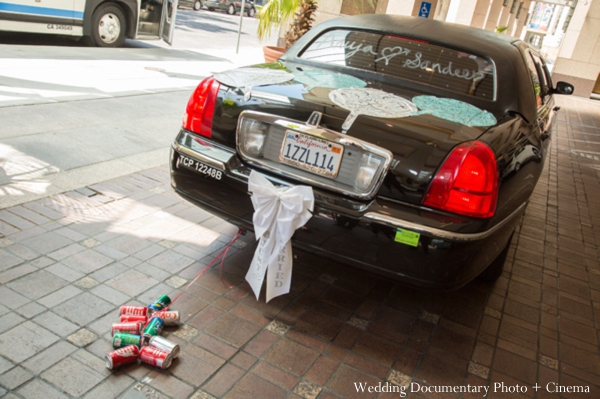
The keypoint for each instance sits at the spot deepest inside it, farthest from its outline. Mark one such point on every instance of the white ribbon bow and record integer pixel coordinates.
(277, 214)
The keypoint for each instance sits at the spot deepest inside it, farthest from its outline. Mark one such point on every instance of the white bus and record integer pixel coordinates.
(106, 23)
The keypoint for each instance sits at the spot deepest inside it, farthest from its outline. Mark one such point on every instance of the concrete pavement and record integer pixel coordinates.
(52, 148)
(60, 69)
(52, 139)
(95, 73)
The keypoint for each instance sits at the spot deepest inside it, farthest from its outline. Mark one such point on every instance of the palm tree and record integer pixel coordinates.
(277, 12)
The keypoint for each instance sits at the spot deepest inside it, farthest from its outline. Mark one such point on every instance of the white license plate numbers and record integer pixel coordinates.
(199, 167)
(311, 153)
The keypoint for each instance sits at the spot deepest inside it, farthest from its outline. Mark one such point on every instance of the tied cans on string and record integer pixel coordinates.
(278, 212)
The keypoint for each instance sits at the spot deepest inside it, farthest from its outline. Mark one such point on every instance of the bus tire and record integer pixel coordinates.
(108, 26)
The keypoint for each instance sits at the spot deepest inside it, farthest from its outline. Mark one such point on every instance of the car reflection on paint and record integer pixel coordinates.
(425, 121)
(522, 156)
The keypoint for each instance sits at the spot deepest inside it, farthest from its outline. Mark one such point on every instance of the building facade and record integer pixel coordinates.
(567, 32)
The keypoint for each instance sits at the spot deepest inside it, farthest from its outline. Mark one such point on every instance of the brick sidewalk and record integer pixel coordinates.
(67, 262)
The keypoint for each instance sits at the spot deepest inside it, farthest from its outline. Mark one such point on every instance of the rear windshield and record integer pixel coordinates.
(405, 58)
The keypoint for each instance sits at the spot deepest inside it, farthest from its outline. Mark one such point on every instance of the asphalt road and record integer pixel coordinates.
(72, 116)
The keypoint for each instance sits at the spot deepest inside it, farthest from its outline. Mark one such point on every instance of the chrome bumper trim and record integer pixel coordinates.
(439, 233)
(218, 157)
(208, 153)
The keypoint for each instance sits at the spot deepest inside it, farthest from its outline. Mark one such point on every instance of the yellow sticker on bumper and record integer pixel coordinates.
(407, 237)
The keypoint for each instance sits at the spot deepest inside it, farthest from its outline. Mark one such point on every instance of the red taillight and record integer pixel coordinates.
(198, 116)
(467, 182)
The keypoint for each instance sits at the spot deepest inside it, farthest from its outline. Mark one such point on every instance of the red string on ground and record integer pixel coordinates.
(221, 255)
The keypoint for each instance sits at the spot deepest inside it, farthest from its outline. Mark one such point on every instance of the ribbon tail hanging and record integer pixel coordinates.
(279, 276)
(260, 262)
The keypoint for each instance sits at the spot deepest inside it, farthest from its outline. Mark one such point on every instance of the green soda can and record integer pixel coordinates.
(162, 302)
(153, 328)
(121, 340)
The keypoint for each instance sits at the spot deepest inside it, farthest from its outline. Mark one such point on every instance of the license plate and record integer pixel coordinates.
(199, 167)
(310, 153)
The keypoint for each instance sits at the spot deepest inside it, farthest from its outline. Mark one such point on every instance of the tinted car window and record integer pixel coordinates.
(543, 73)
(405, 58)
(537, 78)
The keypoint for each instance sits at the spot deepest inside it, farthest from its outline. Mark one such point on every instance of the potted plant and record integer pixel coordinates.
(277, 12)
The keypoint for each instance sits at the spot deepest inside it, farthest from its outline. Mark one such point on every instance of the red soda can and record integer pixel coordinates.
(127, 318)
(155, 357)
(136, 327)
(119, 357)
(134, 310)
(170, 317)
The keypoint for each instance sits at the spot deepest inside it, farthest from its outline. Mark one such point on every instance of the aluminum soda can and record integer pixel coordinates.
(162, 302)
(119, 357)
(153, 308)
(153, 328)
(136, 327)
(170, 317)
(121, 340)
(127, 318)
(133, 310)
(155, 357)
(165, 345)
